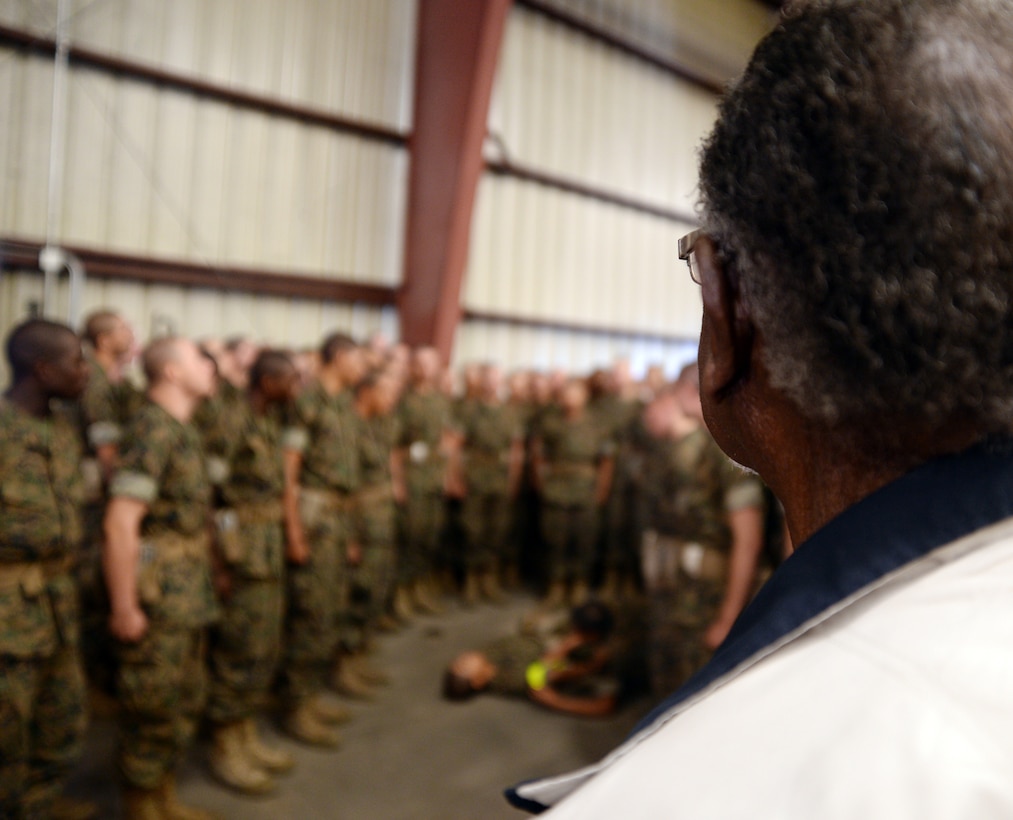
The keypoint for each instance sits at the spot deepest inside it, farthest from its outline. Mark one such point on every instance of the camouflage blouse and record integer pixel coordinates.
(41, 490)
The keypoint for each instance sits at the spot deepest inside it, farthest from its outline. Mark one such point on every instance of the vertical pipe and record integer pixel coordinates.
(57, 138)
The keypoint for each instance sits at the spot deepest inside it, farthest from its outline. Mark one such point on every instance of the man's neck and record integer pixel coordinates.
(331, 382)
(110, 365)
(176, 402)
(818, 473)
(28, 397)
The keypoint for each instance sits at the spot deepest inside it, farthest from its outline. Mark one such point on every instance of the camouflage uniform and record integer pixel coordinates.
(423, 418)
(218, 419)
(571, 451)
(618, 551)
(512, 655)
(246, 643)
(626, 507)
(42, 708)
(105, 410)
(690, 488)
(323, 429)
(489, 433)
(161, 678)
(372, 581)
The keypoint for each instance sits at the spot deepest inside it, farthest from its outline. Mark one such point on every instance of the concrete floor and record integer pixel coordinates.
(408, 756)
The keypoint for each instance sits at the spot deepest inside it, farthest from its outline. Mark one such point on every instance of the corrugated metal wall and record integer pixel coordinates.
(577, 108)
(714, 37)
(160, 172)
(164, 173)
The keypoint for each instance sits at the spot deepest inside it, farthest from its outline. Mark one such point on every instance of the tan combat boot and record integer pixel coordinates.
(142, 804)
(425, 602)
(172, 809)
(274, 760)
(330, 713)
(303, 724)
(403, 610)
(346, 682)
(470, 595)
(366, 672)
(233, 765)
(490, 587)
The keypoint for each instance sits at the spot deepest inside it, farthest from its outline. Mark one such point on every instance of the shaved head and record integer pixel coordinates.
(158, 354)
(34, 342)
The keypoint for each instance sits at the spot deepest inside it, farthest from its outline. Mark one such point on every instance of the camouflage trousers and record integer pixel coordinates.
(245, 646)
(97, 650)
(372, 580)
(677, 621)
(486, 520)
(624, 526)
(42, 693)
(570, 533)
(162, 688)
(317, 596)
(424, 519)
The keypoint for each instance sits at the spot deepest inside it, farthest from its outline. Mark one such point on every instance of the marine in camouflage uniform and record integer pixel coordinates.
(105, 409)
(373, 576)
(108, 403)
(42, 691)
(626, 508)
(617, 549)
(573, 464)
(492, 459)
(246, 642)
(158, 570)
(322, 438)
(690, 489)
(424, 417)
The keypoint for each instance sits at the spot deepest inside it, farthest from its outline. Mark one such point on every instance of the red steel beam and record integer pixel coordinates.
(457, 50)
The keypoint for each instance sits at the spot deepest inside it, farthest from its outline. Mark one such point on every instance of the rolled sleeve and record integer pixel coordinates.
(131, 484)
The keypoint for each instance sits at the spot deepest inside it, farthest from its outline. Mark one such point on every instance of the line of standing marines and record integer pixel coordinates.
(239, 534)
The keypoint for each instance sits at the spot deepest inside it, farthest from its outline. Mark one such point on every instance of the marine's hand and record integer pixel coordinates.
(297, 552)
(128, 625)
(222, 580)
(354, 554)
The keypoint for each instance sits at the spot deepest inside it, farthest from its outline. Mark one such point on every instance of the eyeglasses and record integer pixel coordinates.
(686, 245)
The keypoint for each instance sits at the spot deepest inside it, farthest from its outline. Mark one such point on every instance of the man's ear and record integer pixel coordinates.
(728, 330)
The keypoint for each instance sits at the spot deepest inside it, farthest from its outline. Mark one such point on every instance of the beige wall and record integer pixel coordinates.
(570, 106)
(164, 173)
(159, 172)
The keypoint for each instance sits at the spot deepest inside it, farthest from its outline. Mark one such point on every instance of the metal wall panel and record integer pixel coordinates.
(160, 172)
(573, 107)
(544, 254)
(573, 351)
(713, 38)
(354, 57)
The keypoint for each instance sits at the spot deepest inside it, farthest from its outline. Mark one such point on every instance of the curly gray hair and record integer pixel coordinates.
(859, 185)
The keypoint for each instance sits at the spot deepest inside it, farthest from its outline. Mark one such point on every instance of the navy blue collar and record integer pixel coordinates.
(933, 505)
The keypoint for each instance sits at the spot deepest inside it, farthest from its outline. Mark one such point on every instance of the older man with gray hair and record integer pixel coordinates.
(856, 266)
